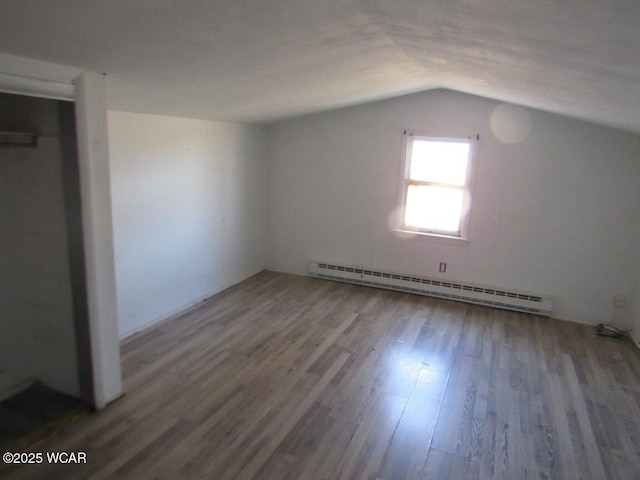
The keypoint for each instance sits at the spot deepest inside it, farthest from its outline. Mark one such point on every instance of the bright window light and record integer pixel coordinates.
(436, 185)
(441, 162)
(445, 218)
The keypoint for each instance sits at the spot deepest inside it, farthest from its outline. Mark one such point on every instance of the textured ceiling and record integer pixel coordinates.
(263, 60)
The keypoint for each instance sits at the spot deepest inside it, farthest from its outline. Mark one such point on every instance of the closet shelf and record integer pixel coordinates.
(18, 139)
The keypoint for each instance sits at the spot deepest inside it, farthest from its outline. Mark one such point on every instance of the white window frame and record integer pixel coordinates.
(462, 234)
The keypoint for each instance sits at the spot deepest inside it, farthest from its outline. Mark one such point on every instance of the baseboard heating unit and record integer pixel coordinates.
(463, 292)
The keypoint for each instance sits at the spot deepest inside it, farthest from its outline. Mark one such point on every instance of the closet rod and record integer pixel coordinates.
(18, 139)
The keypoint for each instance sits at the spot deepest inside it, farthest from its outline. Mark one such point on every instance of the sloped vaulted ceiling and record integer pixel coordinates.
(263, 60)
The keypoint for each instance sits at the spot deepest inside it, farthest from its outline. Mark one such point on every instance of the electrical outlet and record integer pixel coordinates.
(443, 267)
(620, 301)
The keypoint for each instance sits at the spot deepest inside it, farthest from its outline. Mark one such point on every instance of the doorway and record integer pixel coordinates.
(43, 298)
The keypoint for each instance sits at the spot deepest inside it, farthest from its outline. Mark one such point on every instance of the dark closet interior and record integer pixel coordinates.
(44, 344)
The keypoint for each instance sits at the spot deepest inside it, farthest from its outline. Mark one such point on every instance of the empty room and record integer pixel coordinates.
(320, 240)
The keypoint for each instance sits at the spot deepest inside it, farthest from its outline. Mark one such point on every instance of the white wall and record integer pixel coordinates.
(554, 213)
(37, 339)
(189, 210)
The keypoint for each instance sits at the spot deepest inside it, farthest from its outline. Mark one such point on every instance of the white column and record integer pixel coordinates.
(91, 119)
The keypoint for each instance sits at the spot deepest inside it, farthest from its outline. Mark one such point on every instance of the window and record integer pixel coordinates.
(436, 190)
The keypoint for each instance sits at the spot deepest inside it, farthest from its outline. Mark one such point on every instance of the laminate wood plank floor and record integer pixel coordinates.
(288, 377)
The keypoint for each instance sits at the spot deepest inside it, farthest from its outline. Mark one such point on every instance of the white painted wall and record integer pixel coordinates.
(553, 213)
(37, 339)
(189, 209)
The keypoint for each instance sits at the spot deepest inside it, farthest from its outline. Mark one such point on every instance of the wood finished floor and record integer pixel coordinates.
(287, 377)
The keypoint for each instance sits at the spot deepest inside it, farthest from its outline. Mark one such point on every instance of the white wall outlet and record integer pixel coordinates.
(620, 301)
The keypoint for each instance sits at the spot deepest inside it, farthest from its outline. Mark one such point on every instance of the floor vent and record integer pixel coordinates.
(463, 292)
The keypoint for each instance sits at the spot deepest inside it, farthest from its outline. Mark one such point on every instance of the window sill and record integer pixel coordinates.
(433, 237)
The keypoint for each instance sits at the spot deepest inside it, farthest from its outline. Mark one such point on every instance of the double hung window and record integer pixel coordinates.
(437, 185)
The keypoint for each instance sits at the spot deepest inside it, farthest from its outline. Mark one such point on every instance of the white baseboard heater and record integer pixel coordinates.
(463, 292)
